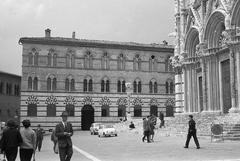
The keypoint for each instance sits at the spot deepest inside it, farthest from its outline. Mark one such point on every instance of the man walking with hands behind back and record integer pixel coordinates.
(192, 132)
(63, 132)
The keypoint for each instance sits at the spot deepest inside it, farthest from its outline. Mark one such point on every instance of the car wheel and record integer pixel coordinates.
(115, 134)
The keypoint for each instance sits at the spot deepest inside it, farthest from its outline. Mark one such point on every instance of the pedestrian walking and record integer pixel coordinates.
(28, 146)
(54, 140)
(161, 117)
(39, 132)
(64, 131)
(10, 141)
(153, 122)
(192, 132)
(146, 129)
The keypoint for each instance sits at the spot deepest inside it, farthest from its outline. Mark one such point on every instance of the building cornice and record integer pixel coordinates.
(97, 44)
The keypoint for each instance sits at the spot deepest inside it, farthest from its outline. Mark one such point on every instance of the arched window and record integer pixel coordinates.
(67, 84)
(1, 87)
(102, 85)
(88, 60)
(90, 85)
(49, 59)
(119, 86)
(137, 86)
(49, 84)
(54, 84)
(73, 61)
(36, 59)
(30, 60)
(105, 85)
(169, 86)
(87, 84)
(105, 61)
(67, 60)
(153, 63)
(153, 86)
(134, 87)
(30, 83)
(54, 60)
(168, 66)
(121, 62)
(137, 63)
(150, 87)
(35, 83)
(72, 85)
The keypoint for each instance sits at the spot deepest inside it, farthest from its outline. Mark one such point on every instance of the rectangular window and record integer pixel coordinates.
(104, 112)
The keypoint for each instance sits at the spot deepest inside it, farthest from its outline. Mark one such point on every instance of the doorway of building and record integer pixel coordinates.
(87, 117)
(226, 87)
(169, 111)
(154, 110)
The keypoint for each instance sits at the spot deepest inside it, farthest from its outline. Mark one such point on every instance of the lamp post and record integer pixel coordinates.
(128, 90)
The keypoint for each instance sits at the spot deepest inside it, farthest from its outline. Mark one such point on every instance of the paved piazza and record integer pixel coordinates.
(129, 147)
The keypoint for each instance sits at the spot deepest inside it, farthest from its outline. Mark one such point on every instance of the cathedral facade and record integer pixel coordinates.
(207, 56)
(88, 79)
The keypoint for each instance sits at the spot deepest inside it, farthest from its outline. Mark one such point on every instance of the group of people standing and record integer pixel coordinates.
(30, 140)
(149, 124)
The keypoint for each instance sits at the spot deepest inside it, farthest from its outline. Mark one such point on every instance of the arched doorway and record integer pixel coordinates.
(154, 110)
(87, 117)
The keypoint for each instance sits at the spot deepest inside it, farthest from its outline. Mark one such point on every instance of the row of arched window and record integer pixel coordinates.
(105, 62)
(105, 85)
(9, 89)
(105, 110)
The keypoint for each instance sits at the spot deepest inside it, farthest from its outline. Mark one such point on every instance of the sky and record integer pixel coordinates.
(140, 21)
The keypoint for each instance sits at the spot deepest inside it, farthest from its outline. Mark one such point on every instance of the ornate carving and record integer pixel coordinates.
(51, 100)
(70, 100)
(122, 101)
(137, 101)
(154, 102)
(169, 102)
(32, 100)
(88, 101)
(105, 101)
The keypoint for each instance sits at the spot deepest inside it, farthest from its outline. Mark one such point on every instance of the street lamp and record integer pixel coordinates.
(128, 89)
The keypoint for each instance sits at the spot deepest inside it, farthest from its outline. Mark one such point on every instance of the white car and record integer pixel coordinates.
(107, 130)
(94, 128)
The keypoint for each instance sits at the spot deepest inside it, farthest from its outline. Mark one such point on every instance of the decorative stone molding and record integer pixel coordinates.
(51, 100)
(105, 101)
(122, 101)
(32, 100)
(88, 101)
(154, 102)
(169, 102)
(137, 101)
(70, 100)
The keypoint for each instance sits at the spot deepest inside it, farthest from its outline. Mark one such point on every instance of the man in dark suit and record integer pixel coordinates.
(63, 132)
(146, 129)
(192, 132)
(39, 132)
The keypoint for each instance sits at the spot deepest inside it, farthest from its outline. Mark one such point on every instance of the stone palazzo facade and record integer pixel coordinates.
(87, 78)
(207, 56)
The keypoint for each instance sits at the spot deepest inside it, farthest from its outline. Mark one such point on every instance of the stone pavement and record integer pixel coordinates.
(91, 147)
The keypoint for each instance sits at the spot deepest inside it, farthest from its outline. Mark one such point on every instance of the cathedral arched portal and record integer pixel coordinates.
(87, 117)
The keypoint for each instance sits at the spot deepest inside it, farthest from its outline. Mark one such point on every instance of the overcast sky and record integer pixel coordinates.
(141, 21)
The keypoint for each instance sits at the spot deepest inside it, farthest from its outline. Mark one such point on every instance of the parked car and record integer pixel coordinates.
(94, 128)
(107, 130)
